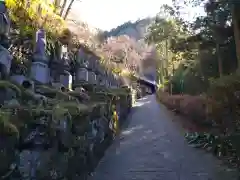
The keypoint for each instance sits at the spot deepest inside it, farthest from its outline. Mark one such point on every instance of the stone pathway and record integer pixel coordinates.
(152, 147)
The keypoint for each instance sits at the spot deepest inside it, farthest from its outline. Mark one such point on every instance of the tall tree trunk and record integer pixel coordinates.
(57, 6)
(220, 68)
(218, 41)
(63, 7)
(166, 56)
(236, 25)
(173, 71)
(68, 9)
(160, 71)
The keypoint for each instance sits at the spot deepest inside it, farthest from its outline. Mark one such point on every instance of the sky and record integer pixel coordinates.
(108, 14)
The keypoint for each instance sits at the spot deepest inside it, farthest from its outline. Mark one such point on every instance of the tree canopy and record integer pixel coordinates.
(195, 52)
(35, 14)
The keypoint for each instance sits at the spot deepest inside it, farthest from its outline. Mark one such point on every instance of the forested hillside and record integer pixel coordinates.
(141, 55)
(136, 30)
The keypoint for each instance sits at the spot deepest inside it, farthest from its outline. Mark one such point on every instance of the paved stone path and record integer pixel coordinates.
(152, 148)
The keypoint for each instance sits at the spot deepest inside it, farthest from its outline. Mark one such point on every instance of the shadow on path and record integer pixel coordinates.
(151, 147)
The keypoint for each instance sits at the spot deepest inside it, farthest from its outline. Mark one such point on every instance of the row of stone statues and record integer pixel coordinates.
(58, 69)
(57, 130)
(45, 70)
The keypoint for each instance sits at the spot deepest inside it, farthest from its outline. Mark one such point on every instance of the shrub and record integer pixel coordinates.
(225, 93)
(194, 107)
(220, 106)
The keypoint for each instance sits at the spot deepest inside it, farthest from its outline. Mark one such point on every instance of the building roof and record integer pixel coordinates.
(143, 78)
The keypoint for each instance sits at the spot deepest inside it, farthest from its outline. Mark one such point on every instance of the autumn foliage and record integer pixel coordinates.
(35, 13)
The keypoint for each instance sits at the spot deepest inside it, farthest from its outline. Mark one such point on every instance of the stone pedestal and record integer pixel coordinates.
(82, 74)
(58, 85)
(102, 81)
(40, 72)
(66, 79)
(106, 83)
(5, 59)
(39, 69)
(20, 79)
(92, 77)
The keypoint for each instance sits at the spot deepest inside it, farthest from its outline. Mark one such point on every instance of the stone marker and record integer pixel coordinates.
(39, 69)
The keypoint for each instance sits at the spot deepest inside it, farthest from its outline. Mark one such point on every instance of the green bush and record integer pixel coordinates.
(225, 92)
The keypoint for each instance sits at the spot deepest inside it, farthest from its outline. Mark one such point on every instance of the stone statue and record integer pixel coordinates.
(5, 56)
(64, 55)
(5, 62)
(4, 25)
(39, 68)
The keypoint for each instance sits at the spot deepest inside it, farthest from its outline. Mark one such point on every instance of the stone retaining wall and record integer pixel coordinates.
(63, 139)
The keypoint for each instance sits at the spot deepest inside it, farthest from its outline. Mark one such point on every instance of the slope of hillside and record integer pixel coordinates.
(136, 30)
